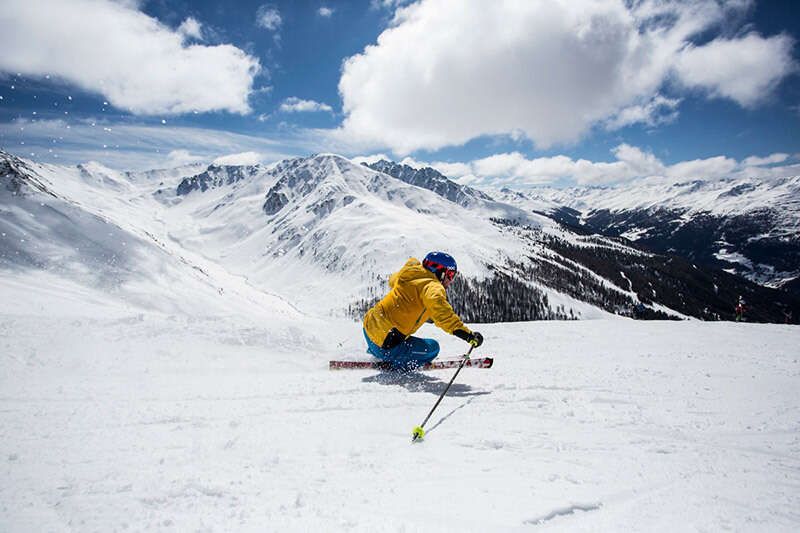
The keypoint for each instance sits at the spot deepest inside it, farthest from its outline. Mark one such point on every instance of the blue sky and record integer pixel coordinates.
(506, 93)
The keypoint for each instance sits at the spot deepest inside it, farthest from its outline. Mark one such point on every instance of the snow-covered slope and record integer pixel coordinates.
(92, 226)
(113, 420)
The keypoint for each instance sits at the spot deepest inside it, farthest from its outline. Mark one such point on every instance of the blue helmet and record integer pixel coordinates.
(442, 265)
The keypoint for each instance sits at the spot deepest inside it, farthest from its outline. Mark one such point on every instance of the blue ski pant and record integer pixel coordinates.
(410, 353)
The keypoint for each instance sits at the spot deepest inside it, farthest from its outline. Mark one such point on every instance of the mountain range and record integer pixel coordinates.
(321, 234)
(747, 227)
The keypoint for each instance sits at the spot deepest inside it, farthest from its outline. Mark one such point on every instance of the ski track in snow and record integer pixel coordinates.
(112, 419)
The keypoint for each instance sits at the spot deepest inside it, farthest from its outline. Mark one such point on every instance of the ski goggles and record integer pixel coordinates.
(448, 277)
(447, 273)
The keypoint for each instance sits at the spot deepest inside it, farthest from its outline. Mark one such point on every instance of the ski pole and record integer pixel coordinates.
(419, 432)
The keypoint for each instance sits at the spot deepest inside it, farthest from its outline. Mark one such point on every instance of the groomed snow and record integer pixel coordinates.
(113, 419)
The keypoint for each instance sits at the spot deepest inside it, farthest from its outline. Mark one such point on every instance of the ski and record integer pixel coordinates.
(478, 362)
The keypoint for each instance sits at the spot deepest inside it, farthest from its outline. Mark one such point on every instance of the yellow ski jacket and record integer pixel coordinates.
(415, 296)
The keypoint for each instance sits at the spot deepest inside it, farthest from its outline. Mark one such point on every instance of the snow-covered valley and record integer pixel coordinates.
(114, 418)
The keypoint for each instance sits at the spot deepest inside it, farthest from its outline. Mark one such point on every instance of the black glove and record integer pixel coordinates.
(474, 338)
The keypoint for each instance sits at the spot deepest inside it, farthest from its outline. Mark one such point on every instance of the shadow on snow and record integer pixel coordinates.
(419, 382)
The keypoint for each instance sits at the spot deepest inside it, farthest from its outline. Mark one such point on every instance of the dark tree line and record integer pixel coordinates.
(501, 298)
(498, 298)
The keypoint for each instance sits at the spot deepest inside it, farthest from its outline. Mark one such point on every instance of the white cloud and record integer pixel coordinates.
(387, 4)
(547, 70)
(240, 159)
(182, 157)
(658, 110)
(745, 69)
(297, 105)
(191, 28)
(130, 58)
(369, 159)
(631, 163)
(703, 169)
(326, 12)
(138, 146)
(641, 163)
(268, 17)
(772, 159)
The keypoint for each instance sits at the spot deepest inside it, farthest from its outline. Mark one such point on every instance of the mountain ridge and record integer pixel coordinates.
(323, 232)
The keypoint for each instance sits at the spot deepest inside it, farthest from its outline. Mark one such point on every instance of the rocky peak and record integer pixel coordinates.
(216, 176)
(433, 180)
(17, 176)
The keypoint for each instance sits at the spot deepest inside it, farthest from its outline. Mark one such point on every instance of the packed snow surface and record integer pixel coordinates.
(116, 418)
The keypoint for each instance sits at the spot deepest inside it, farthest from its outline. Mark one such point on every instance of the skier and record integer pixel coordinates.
(417, 293)
(740, 309)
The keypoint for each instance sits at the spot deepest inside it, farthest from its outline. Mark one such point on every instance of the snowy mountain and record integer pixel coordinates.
(99, 228)
(433, 180)
(324, 233)
(215, 176)
(748, 227)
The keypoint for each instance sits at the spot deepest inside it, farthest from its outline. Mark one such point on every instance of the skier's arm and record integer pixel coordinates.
(435, 300)
(393, 280)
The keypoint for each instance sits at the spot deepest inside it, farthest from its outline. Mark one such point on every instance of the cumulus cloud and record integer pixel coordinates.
(182, 157)
(754, 161)
(369, 159)
(745, 70)
(631, 162)
(549, 71)
(268, 17)
(297, 105)
(658, 110)
(134, 61)
(324, 11)
(703, 169)
(191, 28)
